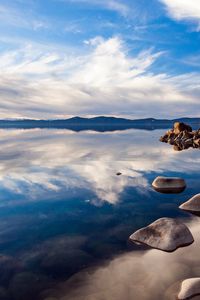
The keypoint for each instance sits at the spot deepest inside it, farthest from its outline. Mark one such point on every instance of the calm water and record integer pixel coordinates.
(65, 217)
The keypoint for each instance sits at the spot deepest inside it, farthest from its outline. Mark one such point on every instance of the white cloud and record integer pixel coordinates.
(107, 80)
(183, 9)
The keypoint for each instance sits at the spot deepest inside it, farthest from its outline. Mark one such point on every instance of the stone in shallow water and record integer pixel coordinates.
(8, 266)
(27, 285)
(164, 234)
(61, 262)
(169, 185)
(189, 288)
(192, 204)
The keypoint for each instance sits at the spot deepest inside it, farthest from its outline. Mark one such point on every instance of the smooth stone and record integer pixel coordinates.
(165, 234)
(169, 185)
(192, 204)
(189, 288)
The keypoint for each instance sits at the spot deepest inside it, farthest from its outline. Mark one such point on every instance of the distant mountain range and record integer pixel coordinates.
(100, 124)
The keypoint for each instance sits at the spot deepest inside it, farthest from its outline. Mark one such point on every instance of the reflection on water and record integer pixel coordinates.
(66, 216)
(142, 275)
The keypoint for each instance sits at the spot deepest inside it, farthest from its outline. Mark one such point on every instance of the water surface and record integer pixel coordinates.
(66, 216)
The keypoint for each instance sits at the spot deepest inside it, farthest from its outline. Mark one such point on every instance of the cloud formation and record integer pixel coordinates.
(107, 80)
(183, 9)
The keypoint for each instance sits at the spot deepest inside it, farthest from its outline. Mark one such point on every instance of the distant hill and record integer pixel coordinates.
(100, 124)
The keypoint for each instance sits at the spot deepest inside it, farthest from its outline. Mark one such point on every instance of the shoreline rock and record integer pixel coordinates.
(189, 288)
(192, 205)
(182, 137)
(165, 234)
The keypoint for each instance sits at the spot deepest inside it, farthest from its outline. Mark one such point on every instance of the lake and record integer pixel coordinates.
(66, 216)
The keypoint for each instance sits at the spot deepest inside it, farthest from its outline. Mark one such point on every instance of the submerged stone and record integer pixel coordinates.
(27, 285)
(8, 266)
(164, 234)
(189, 288)
(169, 185)
(62, 263)
(192, 205)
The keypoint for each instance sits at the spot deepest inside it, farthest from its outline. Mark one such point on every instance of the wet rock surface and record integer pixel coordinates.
(182, 137)
(169, 185)
(189, 288)
(164, 234)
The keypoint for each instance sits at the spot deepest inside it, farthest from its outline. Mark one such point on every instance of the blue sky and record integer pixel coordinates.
(60, 58)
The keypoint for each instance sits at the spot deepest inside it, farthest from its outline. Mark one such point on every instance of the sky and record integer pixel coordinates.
(130, 58)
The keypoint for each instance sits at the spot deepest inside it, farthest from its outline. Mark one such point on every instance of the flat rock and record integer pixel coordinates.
(165, 234)
(169, 185)
(192, 204)
(189, 288)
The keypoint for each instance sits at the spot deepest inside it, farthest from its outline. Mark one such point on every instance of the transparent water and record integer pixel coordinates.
(65, 216)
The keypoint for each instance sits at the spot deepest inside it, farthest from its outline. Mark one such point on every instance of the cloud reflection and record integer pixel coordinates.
(47, 162)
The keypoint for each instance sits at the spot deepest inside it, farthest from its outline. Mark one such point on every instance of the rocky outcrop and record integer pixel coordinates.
(164, 234)
(180, 127)
(189, 288)
(182, 137)
(169, 185)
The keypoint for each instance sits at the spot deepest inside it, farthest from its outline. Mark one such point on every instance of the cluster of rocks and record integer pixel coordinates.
(182, 137)
(167, 234)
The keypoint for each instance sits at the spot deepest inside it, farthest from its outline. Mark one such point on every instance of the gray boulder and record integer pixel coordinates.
(164, 234)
